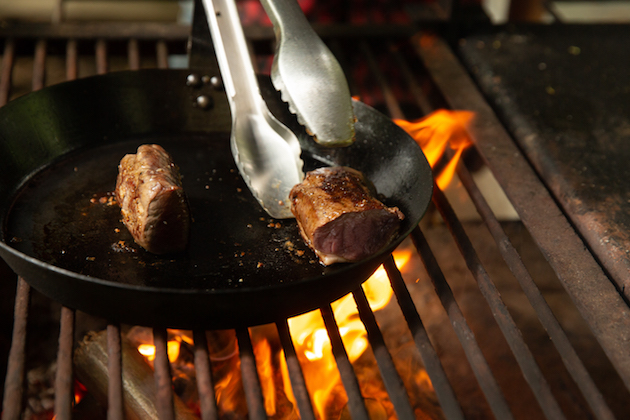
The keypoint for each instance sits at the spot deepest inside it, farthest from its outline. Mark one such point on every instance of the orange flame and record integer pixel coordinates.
(313, 347)
(423, 380)
(79, 391)
(172, 346)
(264, 365)
(286, 380)
(227, 388)
(311, 338)
(437, 130)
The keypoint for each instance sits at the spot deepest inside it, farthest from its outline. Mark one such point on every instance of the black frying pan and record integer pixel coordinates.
(59, 151)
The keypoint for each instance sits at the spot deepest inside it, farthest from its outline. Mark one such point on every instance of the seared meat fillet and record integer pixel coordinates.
(153, 205)
(338, 216)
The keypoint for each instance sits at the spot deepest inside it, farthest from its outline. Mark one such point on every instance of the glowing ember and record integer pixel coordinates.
(79, 391)
(437, 130)
(172, 347)
(148, 350)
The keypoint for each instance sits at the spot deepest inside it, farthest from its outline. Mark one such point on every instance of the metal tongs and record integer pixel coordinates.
(266, 152)
(310, 79)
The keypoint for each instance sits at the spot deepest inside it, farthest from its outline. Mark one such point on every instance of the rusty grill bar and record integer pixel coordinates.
(576, 268)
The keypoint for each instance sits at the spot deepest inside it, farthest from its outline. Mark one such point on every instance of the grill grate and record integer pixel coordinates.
(391, 75)
(593, 292)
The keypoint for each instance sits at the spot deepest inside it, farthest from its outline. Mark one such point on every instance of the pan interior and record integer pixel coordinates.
(67, 216)
(63, 214)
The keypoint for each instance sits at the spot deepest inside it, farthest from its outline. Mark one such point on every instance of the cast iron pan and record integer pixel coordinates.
(59, 153)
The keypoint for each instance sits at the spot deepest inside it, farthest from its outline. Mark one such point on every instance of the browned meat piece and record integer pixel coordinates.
(153, 205)
(338, 216)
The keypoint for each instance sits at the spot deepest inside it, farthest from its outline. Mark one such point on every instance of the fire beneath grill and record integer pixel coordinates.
(312, 345)
(314, 351)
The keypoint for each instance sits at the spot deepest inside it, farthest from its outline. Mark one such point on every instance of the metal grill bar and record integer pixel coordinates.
(114, 373)
(7, 69)
(524, 358)
(64, 381)
(64, 392)
(96, 30)
(391, 378)
(162, 54)
(163, 384)
(296, 376)
(205, 385)
(101, 56)
(466, 337)
(412, 84)
(337, 49)
(249, 374)
(14, 381)
(594, 295)
(72, 58)
(390, 99)
(443, 390)
(134, 54)
(570, 358)
(356, 405)
(39, 65)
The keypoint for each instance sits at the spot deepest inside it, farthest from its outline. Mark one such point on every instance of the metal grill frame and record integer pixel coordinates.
(593, 293)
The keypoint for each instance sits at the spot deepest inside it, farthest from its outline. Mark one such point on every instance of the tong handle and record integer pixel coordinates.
(236, 67)
(265, 151)
(288, 19)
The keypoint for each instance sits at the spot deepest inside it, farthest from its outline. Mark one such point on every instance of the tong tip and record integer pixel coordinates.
(330, 123)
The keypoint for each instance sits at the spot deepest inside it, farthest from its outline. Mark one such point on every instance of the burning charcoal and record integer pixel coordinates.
(338, 216)
(152, 201)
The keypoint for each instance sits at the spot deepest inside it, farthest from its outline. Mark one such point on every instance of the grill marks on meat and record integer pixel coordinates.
(338, 216)
(153, 204)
